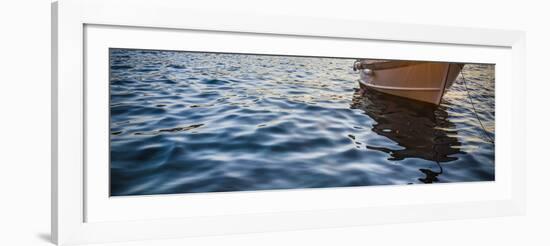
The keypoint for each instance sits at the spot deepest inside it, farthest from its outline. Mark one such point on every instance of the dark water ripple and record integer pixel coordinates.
(196, 122)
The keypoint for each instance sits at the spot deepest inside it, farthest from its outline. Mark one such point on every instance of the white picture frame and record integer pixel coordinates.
(83, 213)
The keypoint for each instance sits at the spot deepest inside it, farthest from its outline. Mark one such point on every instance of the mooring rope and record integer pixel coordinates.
(475, 110)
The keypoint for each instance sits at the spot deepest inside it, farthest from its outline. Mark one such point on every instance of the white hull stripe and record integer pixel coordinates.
(400, 88)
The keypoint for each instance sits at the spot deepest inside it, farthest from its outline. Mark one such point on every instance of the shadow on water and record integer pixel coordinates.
(421, 130)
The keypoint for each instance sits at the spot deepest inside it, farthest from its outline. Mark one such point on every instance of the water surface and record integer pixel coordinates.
(185, 122)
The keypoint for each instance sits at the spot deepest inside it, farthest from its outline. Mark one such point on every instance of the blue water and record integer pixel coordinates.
(186, 122)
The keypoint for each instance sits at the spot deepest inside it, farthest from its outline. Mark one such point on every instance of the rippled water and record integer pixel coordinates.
(199, 122)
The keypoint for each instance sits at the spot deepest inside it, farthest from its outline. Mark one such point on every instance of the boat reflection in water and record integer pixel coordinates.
(422, 130)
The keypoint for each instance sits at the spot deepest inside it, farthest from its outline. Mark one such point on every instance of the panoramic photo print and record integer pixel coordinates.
(192, 122)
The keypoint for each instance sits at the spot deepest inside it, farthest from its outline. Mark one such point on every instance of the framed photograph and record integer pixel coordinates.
(170, 125)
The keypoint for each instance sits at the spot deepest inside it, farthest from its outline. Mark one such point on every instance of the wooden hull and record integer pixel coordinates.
(421, 81)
